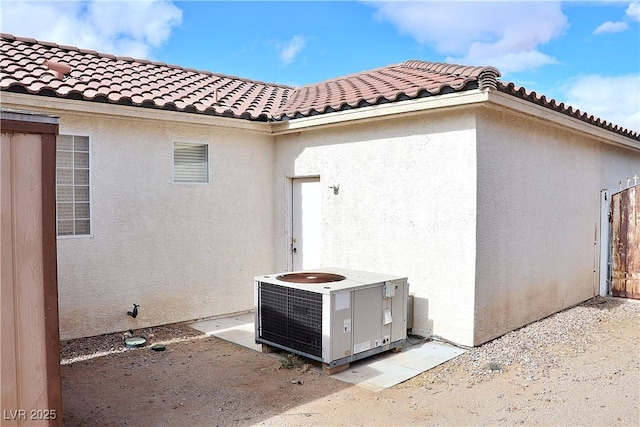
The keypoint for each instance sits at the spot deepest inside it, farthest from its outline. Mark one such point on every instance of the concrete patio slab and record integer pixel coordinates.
(374, 373)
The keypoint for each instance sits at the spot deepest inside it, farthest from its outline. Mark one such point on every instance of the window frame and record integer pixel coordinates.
(89, 185)
(208, 165)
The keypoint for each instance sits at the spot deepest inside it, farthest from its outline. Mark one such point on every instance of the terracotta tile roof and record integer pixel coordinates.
(81, 74)
(531, 96)
(409, 80)
(106, 78)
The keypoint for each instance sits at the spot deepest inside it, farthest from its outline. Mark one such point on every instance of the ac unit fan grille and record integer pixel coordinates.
(291, 317)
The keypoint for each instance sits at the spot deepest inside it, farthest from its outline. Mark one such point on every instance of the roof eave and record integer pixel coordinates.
(381, 111)
(83, 107)
(514, 104)
(565, 109)
(465, 99)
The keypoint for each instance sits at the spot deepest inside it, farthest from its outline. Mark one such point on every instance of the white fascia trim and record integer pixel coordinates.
(53, 105)
(512, 104)
(377, 112)
(475, 97)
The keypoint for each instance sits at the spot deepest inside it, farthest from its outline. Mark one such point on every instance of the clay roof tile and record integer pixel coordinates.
(104, 77)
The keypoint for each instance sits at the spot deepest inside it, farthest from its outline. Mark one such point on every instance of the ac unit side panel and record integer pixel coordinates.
(291, 318)
(399, 311)
(341, 331)
(367, 319)
(387, 318)
(327, 346)
(367, 353)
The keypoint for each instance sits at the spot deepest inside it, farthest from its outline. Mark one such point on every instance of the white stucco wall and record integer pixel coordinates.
(406, 206)
(179, 251)
(493, 218)
(538, 218)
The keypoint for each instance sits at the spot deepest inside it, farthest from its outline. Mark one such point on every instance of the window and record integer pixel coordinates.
(190, 163)
(72, 185)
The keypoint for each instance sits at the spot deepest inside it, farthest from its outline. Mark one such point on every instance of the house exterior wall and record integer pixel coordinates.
(180, 251)
(538, 218)
(406, 206)
(492, 215)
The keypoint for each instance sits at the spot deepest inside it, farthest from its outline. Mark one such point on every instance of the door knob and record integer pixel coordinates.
(295, 250)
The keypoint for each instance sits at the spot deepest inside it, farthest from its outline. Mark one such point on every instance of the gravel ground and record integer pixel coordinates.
(102, 345)
(534, 350)
(578, 367)
(527, 349)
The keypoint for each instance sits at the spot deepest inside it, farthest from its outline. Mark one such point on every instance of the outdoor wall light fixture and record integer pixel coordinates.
(336, 188)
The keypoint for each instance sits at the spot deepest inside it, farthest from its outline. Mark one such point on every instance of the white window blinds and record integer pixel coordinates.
(190, 163)
(72, 186)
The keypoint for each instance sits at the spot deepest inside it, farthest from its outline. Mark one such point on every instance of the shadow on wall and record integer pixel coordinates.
(418, 309)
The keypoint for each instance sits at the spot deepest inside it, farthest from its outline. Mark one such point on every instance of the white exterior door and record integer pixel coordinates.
(305, 227)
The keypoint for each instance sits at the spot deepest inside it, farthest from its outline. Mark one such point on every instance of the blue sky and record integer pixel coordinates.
(586, 54)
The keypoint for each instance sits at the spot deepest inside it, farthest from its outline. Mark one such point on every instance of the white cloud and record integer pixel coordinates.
(506, 33)
(132, 28)
(633, 11)
(507, 62)
(611, 27)
(291, 48)
(615, 99)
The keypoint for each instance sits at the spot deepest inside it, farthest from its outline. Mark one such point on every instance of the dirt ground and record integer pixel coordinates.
(205, 381)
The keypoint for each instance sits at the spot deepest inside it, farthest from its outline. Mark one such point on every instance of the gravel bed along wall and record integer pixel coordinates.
(527, 349)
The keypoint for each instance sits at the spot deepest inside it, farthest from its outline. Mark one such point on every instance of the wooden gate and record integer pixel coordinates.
(625, 243)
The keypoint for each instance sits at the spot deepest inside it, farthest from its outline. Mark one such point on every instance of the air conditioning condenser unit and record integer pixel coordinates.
(332, 315)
